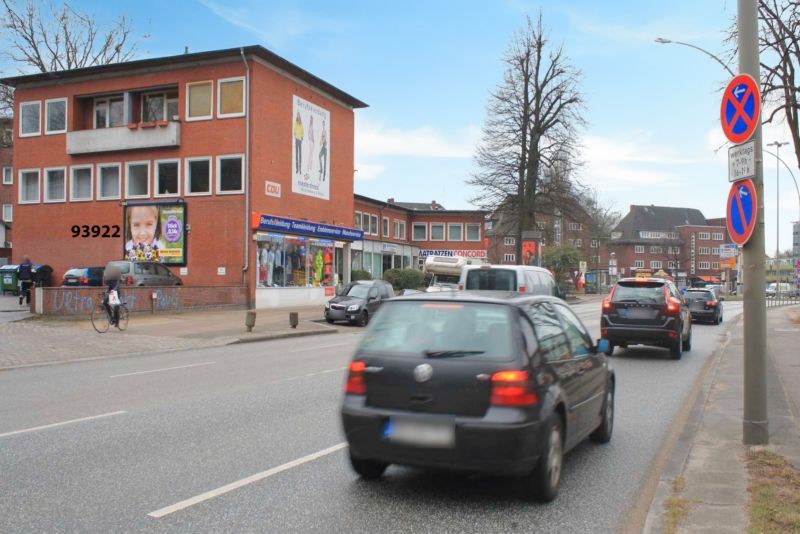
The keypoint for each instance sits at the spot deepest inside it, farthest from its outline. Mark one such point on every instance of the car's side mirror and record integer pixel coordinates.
(603, 345)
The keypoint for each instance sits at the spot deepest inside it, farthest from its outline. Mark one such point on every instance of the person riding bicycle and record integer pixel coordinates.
(112, 276)
(25, 278)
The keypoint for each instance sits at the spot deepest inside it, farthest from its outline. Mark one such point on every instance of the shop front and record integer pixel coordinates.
(299, 263)
(377, 257)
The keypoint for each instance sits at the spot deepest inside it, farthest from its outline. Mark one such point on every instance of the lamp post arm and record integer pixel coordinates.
(706, 52)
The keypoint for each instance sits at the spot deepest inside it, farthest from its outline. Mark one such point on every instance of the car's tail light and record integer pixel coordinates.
(673, 305)
(355, 379)
(607, 300)
(522, 289)
(711, 304)
(83, 280)
(129, 280)
(513, 388)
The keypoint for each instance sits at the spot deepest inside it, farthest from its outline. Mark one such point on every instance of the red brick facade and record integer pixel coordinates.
(6, 187)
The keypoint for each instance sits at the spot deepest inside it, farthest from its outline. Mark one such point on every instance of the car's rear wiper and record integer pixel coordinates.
(450, 353)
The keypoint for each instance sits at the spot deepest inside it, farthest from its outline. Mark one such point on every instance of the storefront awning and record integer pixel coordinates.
(272, 223)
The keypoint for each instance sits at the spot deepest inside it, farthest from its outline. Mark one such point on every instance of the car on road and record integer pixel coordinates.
(519, 278)
(704, 305)
(145, 273)
(495, 383)
(358, 302)
(647, 311)
(83, 276)
(786, 290)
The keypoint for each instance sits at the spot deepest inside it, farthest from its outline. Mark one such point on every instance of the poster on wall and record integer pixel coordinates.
(155, 232)
(311, 145)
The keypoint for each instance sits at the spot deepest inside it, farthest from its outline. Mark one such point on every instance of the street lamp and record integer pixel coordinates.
(661, 40)
(777, 145)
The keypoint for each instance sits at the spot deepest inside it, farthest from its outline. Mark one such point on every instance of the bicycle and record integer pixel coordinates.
(102, 319)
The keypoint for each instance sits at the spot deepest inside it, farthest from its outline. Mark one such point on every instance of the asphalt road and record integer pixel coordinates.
(144, 434)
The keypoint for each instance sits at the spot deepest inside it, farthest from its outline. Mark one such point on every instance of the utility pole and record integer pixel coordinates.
(755, 425)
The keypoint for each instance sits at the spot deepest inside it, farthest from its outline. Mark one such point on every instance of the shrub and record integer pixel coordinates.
(404, 278)
(358, 274)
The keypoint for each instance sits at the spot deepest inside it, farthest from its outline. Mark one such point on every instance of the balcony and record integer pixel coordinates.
(132, 137)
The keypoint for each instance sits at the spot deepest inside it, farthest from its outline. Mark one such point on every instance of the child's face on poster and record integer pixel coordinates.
(144, 223)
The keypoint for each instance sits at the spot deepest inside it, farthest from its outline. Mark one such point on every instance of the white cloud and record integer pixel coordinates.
(376, 140)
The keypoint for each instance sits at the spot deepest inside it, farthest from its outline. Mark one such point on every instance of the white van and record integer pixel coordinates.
(519, 278)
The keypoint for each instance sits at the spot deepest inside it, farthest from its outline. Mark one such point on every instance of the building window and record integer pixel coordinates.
(638, 264)
(373, 224)
(596, 260)
(198, 176)
(419, 231)
(455, 231)
(704, 250)
(167, 178)
(717, 236)
(386, 227)
(55, 116)
(137, 179)
(655, 264)
(579, 243)
(109, 112)
(704, 265)
(399, 229)
(8, 176)
(715, 265)
(229, 174)
(437, 231)
(30, 122)
(704, 236)
(594, 243)
(29, 186)
(80, 188)
(108, 181)
(574, 226)
(159, 106)
(231, 98)
(473, 232)
(540, 225)
(8, 213)
(639, 249)
(365, 222)
(656, 250)
(357, 220)
(672, 265)
(510, 241)
(55, 185)
(198, 101)
(509, 258)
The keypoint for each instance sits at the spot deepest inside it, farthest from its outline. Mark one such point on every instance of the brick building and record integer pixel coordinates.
(244, 159)
(6, 189)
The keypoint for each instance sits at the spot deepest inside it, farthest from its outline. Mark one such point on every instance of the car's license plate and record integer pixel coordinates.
(423, 434)
(637, 313)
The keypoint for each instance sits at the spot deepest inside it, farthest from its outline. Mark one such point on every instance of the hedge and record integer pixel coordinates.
(404, 278)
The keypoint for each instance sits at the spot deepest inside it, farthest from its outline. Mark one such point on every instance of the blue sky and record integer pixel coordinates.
(426, 67)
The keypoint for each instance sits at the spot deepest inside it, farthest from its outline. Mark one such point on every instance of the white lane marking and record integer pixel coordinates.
(164, 369)
(243, 482)
(324, 346)
(54, 425)
(308, 375)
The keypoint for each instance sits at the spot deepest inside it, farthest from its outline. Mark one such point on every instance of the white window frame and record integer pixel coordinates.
(106, 100)
(638, 249)
(704, 251)
(221, 115)
(717, 236)
(210, 115)
(399, 229)
(385, 223)
(509, 241)
(575, 226)
(672, 264)
(10, 218)
(461, 230)
(510, 257)
(704, 236)
(8, 176)
(466, 232)
(656, 264)
(188, 175)
(127, 177)
(156, 177)
(165, 107)
(402, 230)
(638, 264)
(22, 105)
(413, 233)
(99, 178)
(579, 243)
(594, 243)
(66, 115)
(47, 183)
(38, 189)
(444, 231)
(373, 224)
(72, 170)
(704, 266)
(219, 174)
(358, 215)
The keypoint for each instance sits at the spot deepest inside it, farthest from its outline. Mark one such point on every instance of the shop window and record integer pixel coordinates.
(159, 106)
(198, 176)
(8, 176)
(231, 98)
(80, 184)
(108, 181)
(473, 232)
(419, 232)
(437, 231)
(8, 213)
(30, 122)
(137, 179)
(167, 178)
(29, 186)
(109, 112)
(356, 258)
(55, 113)
(198, 101)
(454, 232)
(294, 261)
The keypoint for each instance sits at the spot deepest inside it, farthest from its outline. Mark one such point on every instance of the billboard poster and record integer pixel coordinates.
(155, 232)
(311, 145)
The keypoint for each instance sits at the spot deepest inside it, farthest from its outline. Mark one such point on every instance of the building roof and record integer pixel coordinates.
(657, 218)
(418, 207)
(421, 206)
(183, 59)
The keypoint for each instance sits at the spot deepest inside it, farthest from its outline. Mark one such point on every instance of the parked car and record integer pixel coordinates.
(519, 278)
(502, 384)
(786, 290)
(704, 305)
(83, 276)
(145, 273)
(647, 311)
(358, 302)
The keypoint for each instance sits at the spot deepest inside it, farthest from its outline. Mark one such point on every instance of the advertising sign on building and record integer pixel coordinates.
(451, 252)
(727, 251)
(155, 232)
(311, 145)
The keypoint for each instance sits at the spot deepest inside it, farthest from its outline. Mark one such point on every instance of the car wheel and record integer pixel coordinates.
(602, 434)
(330, 321)
(368, 469)
(720, 319)
(676, 349)
(611, 348)
(363, 319)
(687, 345)
(545, 479)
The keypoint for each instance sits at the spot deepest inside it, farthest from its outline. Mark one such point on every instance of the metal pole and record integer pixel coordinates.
(755, 425)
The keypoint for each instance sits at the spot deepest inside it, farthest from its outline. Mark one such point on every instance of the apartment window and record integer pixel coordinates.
(30, 122)
(399, 229)
(473, 232)
(437, 231)
(704, 250)
(579, 243)
(198, 176)
(717, 236)
(638, 264)
(705, 236)
(596, 260)
(357, 220)
(638, 249)
(656, 250)
(8, 213)
(167, 178)
(80, 188)
(574, 226)
(198, 101)
(386, 227)
(455, 232)
(137, 179)
(108, 181)
(705, 265)
(55, 185)
(509, 258)
(373, 224)
(159, 106)
(540, 225)
(594, 243)
(672, 265)
(715, 265)
(510, 241)
(229, 174)
(419, 232)
(29, 186)
(55, 116)
(655, 264)
(8, 176)
(109, 112)
(231, 97)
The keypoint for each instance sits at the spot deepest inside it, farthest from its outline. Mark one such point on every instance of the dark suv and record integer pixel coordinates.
(358, 302)
(704, 305)
(647, 311)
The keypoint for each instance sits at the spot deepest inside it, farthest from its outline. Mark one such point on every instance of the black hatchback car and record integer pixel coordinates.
(358, 302)
(704, 305)
(502, 384)
(647, 311)
(83, 276)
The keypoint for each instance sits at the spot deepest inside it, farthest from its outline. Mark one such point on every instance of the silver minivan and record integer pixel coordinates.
(517, 278)
(145, 273)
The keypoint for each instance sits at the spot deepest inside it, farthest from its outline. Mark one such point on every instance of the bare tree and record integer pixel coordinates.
(531, 123)
(51, 39)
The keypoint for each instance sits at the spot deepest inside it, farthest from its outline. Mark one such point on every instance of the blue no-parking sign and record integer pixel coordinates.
(741, 108)
(741, 211)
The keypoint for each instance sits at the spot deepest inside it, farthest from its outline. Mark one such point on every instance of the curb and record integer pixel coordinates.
(285, 335)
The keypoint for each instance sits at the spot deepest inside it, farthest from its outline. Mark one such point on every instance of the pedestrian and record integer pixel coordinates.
(323, 153)
(25, 280)
(299, 134)
(112, 276)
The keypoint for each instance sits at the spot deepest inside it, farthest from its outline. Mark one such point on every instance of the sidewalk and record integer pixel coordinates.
(704, 486)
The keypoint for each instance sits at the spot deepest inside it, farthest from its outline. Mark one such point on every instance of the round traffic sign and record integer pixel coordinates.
(741, 211)
(740, 109)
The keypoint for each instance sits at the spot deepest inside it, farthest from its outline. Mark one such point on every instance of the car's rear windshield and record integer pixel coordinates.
(123, 266)
(492, 279)
(75, 272)
(699, 295)
(452, 330)
(639, 292)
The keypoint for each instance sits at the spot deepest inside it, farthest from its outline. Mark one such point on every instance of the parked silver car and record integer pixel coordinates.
(145, 273)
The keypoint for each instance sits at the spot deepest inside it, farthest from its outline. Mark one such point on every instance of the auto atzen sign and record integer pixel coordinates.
(293, 226)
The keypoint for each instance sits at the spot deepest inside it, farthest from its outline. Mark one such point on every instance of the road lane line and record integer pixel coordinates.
(243, 482)
(54, 425)
(324, 346)
(164, 369)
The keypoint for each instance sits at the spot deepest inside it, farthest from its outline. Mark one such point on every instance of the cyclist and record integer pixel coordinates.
(112, 276)
(25, 277)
